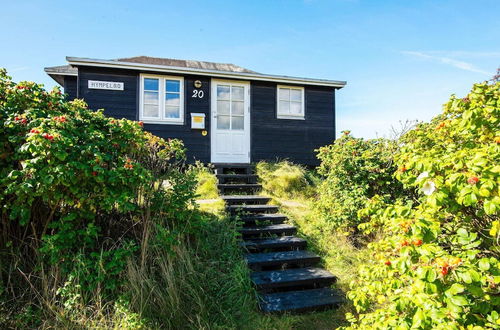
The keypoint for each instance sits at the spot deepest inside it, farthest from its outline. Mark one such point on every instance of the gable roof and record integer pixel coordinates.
(156, 64)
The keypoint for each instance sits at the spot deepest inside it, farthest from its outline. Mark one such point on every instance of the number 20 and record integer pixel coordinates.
(198, 94)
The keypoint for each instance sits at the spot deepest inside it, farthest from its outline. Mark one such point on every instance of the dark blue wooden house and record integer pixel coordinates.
(224, 113)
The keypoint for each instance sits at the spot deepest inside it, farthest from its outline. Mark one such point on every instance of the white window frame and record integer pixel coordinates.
(289, 116)
(161, 94)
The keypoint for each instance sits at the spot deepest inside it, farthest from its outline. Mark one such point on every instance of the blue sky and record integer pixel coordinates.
(401, 59)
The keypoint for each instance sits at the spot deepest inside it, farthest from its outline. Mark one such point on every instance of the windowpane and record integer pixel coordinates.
(172, 112)
(237, 122)
(173, 86)
(172, 99)
(223, 92)
(284, 94)
(223, 122)
(151, 98)
(151, 111)
(284, 107)
(151, 84)
(296, 108)
(295, 95)
(223, 107)
(237, 108)
(238, 93)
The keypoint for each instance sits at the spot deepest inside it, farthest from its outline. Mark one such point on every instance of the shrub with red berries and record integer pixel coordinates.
(66, 174)
(454, 278)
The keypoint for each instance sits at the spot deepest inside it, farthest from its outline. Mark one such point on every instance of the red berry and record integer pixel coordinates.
(94, 173)
(444, 271)
(405, 243)
(24, 121)
(48, 136)
(387, 263)
(17, 118)
(403, 169)
(34, 131)
(417, 242)
(473, 180)
(141, 124)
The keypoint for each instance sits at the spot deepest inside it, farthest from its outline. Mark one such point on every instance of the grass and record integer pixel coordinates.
(202, 282)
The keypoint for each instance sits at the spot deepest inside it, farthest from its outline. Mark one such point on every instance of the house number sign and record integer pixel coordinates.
(198, 93)
(109, 85)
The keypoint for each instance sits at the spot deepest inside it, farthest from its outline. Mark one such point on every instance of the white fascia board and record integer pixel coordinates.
(202, 72)
(50, 72)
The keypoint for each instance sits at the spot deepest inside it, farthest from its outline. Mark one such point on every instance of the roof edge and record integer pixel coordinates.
(205, 72)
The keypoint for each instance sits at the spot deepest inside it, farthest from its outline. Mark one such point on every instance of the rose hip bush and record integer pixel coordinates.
(354, 170)
(437, 262)
(77, 187)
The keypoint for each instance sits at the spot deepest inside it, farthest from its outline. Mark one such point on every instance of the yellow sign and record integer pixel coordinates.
(198, 119)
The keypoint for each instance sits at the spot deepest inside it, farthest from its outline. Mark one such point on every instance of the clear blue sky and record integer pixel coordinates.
(401, 59)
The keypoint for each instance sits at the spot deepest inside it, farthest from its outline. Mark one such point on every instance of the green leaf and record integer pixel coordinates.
(466, 277)
(459, 300)
(455, 289)
(484, 264)
(489, 207)
(431, 275)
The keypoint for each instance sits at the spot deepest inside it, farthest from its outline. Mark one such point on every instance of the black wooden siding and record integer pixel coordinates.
(293, 139)
(125, 104)
(271, 138)
(70, 87)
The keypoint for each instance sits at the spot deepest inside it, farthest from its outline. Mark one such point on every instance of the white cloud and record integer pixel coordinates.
(446, 60)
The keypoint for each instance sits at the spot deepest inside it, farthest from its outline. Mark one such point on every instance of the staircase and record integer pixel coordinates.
(285, 275)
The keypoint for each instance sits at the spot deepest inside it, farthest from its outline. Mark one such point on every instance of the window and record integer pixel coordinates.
(162, 99)
(290, 102)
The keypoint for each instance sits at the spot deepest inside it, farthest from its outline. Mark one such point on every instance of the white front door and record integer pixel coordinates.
(230, 124)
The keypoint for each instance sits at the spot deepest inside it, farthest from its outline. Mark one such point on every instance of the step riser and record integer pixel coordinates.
(242, 180)
(263, 219)
(296, 285)
(243, 169)
(301, 301)
(267, 233)
(255, 223)
(245, 211)
(256, 247)
(247, 202)
(276, 265)
(240, 190)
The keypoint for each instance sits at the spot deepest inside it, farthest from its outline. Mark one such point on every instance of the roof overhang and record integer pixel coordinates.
(59, 72)
(79, 61)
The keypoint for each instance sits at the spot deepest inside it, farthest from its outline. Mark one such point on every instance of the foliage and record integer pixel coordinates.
(437, 262)
(285, 179)
(354, 170)
(206, 188)
(202, 283)
(80, 193)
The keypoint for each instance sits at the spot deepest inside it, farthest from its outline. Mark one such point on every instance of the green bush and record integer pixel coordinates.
(437, 263)
(80, 193)
(353, 170)
(285, 179)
